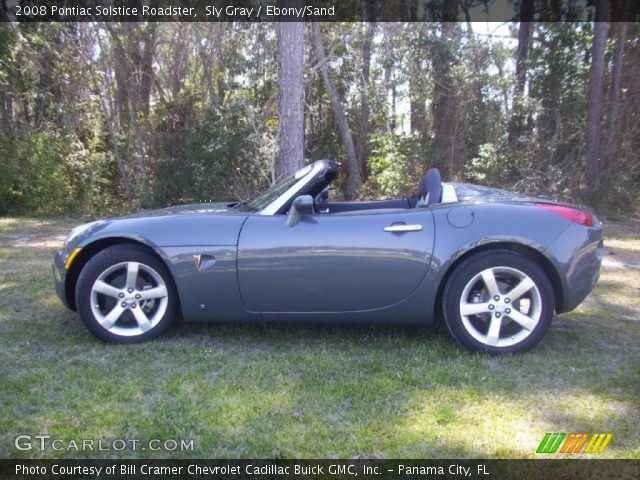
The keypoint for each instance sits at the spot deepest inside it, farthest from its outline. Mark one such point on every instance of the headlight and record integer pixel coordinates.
(79, 230)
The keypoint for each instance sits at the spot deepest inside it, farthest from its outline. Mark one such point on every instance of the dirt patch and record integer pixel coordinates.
(622, 244)
(33, 233)
(627, 228)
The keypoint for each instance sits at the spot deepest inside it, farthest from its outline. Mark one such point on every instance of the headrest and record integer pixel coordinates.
(431, 187)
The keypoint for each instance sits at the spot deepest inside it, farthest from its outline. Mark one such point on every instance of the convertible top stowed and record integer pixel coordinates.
(495, 265)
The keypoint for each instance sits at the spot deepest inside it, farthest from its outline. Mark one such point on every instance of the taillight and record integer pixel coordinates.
(583, 217)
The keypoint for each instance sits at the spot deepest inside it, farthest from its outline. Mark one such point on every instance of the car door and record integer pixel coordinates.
(333, 263)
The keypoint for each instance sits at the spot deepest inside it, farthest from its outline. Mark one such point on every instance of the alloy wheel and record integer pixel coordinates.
(500, 306)
(129, 298)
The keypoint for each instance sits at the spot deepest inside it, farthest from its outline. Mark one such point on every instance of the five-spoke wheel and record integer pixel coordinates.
(125, 294)
(498, 301)
(495, 301)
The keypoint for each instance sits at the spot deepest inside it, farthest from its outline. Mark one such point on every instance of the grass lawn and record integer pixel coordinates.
(312, 391)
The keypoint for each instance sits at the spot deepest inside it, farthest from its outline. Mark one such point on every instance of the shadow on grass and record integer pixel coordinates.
(303, 390)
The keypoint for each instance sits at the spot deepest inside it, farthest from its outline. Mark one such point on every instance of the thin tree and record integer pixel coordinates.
(417, 90)
(594, 95)
(290, 97)
(612, 131)
(524, 36)
(354, 175)
(388, 64)
(363, 133)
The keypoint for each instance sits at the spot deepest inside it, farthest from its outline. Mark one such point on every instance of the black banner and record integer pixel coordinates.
(316, 469)
(304, 10)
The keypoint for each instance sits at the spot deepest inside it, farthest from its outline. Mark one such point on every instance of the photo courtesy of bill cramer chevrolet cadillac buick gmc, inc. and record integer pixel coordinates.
(494, 265)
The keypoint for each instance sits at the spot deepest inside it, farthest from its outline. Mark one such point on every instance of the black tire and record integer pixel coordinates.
(467, 329)
(109, 258)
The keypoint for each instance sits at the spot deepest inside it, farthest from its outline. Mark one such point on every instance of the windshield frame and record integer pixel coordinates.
(267, 197)
(293, 191)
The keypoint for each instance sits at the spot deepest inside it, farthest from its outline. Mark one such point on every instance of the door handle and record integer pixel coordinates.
(401, 227)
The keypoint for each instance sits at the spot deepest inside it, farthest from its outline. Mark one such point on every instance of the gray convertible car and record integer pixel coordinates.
(494, 265)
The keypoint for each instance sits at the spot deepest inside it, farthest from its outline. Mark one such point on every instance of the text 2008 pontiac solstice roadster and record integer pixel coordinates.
(496, 265)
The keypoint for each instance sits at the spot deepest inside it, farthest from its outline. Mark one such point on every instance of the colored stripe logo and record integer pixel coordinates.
(574, 443)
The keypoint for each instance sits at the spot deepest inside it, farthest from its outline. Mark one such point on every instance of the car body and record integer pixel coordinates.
(293, 255)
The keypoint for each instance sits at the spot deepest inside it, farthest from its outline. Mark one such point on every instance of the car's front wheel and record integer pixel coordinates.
(125, 294)
(498, 301)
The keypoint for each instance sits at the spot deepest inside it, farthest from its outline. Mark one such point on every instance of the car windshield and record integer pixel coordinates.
(276, 190)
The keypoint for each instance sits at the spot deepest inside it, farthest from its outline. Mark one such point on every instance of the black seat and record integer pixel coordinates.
(430, 191)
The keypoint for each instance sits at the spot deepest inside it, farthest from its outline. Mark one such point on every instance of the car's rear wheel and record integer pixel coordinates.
(499, 302)
(125, 294)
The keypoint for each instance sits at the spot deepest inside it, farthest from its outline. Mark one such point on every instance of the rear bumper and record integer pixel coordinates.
(578, 253)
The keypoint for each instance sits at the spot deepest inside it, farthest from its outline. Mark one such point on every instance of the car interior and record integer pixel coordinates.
(430, 193)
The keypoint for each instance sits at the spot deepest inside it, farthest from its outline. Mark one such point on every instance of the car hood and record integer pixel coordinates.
(194, 208)
(196, 224)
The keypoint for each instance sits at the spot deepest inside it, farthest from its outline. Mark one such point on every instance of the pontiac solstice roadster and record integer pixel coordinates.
(494, 265)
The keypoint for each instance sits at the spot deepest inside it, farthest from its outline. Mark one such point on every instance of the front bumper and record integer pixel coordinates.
(60, 275)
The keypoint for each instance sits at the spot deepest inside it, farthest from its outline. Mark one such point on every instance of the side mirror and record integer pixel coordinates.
(301, 205)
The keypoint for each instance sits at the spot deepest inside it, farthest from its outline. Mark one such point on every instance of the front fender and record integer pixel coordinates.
(159, 233)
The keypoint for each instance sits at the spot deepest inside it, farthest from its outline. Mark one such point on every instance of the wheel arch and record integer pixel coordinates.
(537, 256)
(89, 251)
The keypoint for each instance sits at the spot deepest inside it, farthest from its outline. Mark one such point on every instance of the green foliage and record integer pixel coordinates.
(396, 163)
(44, 173)
(387, 166)
(485, 167)
(7, 174)
(212, 163)
(41, 181)
(79, 134)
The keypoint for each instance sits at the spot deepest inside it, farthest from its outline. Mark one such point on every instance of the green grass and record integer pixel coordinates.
(303, 390)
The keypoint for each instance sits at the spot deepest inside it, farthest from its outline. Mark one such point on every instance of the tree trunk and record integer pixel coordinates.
(417, 101)
(6, 109)
(116, 151)
(363, 133)
(146, 67)
(444, 102)
(594, 96)
(389, 84)
(614, 97)
(524, 36)
(121, 66)
(550, 95)
(206, 52)
(179, 55)
(290, 97)
(354, 176)
(394, 97)
(417, 94)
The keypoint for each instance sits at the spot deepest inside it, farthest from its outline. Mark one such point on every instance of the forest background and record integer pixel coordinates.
(100, 118)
